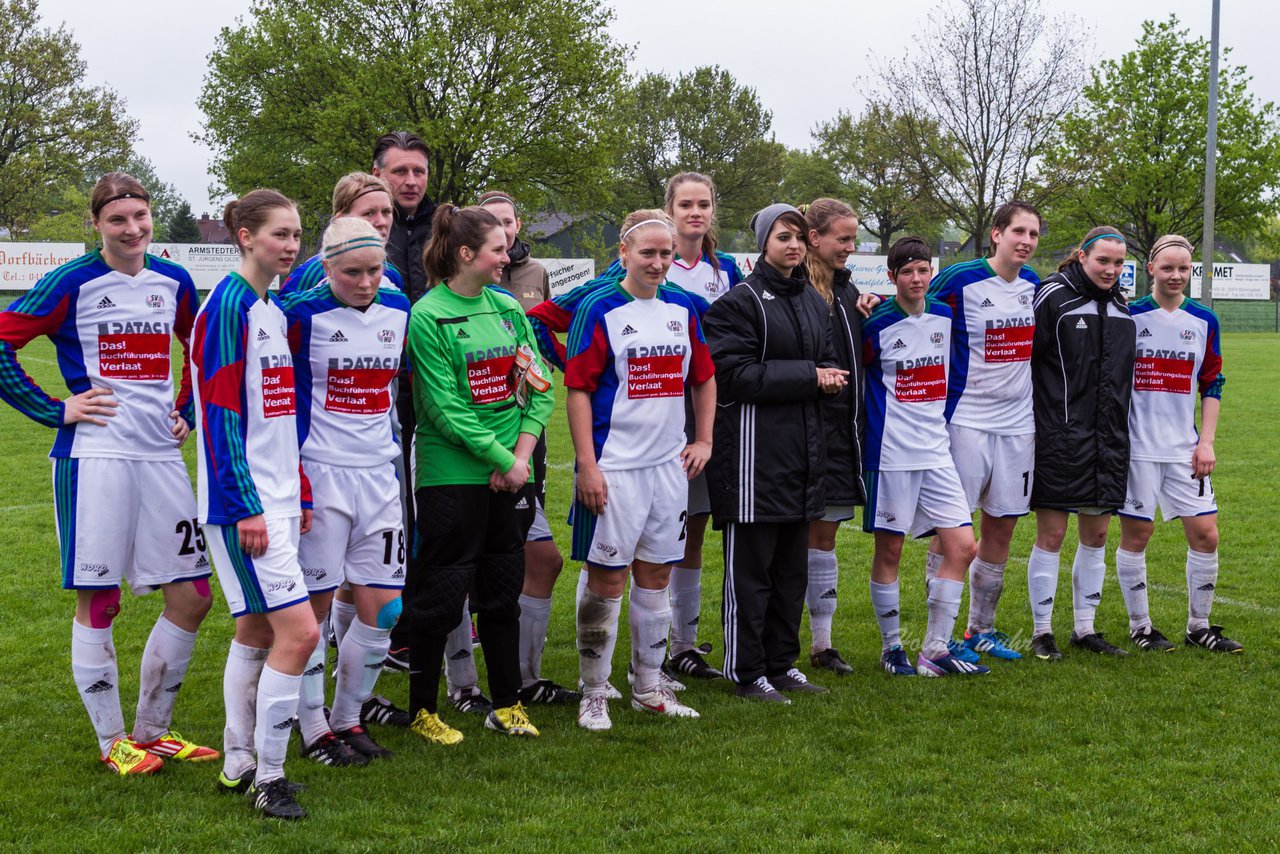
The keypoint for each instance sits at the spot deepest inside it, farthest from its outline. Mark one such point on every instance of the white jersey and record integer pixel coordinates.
(113, 331)
(1178, 357)
(704, 279)
(906, 358)
(345, 364)
(247, 402)
(993, 325)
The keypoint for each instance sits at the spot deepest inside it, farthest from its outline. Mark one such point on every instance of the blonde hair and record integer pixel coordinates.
(819, 216)
(1168, 241)
(348, 233)
(645, 219)
(352, 186)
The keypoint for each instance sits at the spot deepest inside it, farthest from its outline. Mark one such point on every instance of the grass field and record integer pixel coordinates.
(1153, 751)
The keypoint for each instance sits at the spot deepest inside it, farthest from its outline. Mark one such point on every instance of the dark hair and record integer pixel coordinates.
(1004, 214)
(113, 186)
(907, 249)
(402, 140)
(497, 196)
(452, 228)
(251, 211)
(1089, 239)
(819, 215)
(711, 239)
(794, 219)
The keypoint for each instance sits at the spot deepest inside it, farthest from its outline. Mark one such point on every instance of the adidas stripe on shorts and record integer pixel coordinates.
(644, 518)
(256, 585)
(997, 472)
(914, 503)
(357, 528)
(126, 520)
(1171, 486)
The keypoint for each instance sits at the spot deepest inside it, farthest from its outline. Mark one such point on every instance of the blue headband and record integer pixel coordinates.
(1119, 237)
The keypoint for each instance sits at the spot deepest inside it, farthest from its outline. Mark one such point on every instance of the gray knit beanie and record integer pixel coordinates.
(764, 220)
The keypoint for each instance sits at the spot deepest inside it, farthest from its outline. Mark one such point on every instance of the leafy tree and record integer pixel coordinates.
(703, 121)
(65, 219)
(1133, 149)
(809, 175)
(183, 227)
(980, 103)
(53, 127)
(165, 200)
(509, 92)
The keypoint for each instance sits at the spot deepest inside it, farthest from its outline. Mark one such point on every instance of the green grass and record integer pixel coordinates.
(1169, 751)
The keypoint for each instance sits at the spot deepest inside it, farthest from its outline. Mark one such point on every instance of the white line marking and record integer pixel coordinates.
(18, 508)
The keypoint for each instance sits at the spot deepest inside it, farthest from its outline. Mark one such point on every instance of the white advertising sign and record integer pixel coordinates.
(567, 273)
(1234, 281)
(22, 264)
(208, 263)
(870, 272)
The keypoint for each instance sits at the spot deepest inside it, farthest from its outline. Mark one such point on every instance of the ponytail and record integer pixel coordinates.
(452, 228)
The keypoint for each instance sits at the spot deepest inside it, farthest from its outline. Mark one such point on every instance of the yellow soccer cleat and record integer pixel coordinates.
(511, 720)
(429, 726)
(126, 758)
(172, 745)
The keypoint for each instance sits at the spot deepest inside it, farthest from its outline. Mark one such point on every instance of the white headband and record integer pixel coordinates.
(645, 222)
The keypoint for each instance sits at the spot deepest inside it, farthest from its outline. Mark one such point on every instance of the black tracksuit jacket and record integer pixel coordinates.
(844, 414)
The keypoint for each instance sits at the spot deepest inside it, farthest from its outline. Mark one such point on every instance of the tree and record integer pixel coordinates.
(183, 227)
(53, 128)
(1133, 149)
(809, 175)
(509, 92)
(165, 200)
(980, 103)
(702, 121)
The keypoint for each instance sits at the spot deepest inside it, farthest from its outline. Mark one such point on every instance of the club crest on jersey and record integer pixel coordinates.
(387, 336)
(155, 302)
(509, 326)
(675, 326)
(1024, 300)
(936, 338)
(1187, 335)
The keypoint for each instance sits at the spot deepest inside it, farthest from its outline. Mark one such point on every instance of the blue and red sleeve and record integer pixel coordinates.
(550, 319)
(588, 349)
(183, 322)
(41, 311)
(1211, 377)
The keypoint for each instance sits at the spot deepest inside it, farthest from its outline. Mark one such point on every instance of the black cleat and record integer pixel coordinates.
(546, 692)
(359, 740)
(397, 660)
(795, 682)
(762, 692)
(473, 701)
(381, 711)
(829, 659)
(240, 785)
(1149, 639)
(331, 750)
(274, 799)
(1044, 648)
(1212, 638)
(690, 663)
(1095, 642)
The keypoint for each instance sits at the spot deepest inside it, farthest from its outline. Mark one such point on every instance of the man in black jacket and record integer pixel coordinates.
(401, 159)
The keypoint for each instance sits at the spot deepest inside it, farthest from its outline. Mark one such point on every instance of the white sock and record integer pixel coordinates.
(650, 617)
(459, 659)
(1042, 587)
(1087, 574)
(820, 595)
(1131, 572)
(1202, 578)
(93, 666)
(986, 583)
(686, 607)
(582, 584)
(359, 663)
(885, 601)
(277, 704)
(535, 616)
(340, 617)
(164, 666)
(932, 563)
(597, 636)
(311, 704)
(240, 698)
(944, 606)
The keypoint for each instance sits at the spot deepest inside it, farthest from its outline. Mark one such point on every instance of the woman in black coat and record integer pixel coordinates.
(1082, 377)
(770, 339)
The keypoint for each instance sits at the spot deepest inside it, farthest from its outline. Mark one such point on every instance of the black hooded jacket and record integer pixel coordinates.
(1082, 379)
(844, 414)
(408, 238)
(767, 337)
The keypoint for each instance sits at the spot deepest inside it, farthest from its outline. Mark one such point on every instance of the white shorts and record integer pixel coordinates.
(997, 472)
(915, 503)
(126, 520)
(539, 531)
(839, 512)
(699, 496)
(1171, 486)
(644, 518)
(256, 585)
(357, 528)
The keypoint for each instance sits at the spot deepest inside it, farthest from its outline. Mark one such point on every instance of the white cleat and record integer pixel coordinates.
(593, 712)
(610, 692)
(664, 680)
(662, 702)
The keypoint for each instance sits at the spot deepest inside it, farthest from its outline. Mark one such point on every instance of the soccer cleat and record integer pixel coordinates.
(894, 660)
(829, 659)
(328, 749)
(471, 701)
(274, 799)
(379, 710)
(610, 692)
(126, 758)
(359, 740)
(240, 785)
(762, 691)
(593, 712)
(475, 637)
(171, 745)
(1044, 648)
(1212, 638)
(511, 720)
(958, 650)
(795, 682)
(429, 726)
(948, 665)
(1095, 642)
(662, 702)
(666, 680)
(397, 660)
(992, 643)
(691, 662)
(1149, 639)
(548, 693)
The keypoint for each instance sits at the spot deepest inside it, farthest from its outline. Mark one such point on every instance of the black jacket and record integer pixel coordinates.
(844, 414)
(767, 337)
(409, 235)
(1082, 379)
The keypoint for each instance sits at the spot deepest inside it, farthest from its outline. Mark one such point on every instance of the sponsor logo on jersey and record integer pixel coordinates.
(1080, 324)
(489, 373)
(462, 333)
(675, 326)
(360, 386)
(1008, 340)
(278, 391)
(133, 355)
(338, 338)
(656, 371)
(1145, 333)
(628, 330)
(155, 302)
(920, 380)
(1167, 371)
(262, 334)
(106, 302)
(898, 345)
(987, 303)
(387, 336)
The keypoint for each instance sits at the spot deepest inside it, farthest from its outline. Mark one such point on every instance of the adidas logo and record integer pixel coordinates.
(312, 671)
(628, 330)
(1094, 597)
(891, 613)
(830, 594)
(98, 687)
(693, 622)
(1080, 324)
(284, 724)
(662, 644)
(106, 302)
(173, 689)
(202, 562)
(1207, 588)
(377, 665)
(399, 573)
(1044, 602)
(338, 337)
(262, 334)
(1145, 333)
(460, 655)
(522, 504)
(897, 345)
(589, 653)
(987, 303)
(462, 333)
(1141, 585)
(768, 295)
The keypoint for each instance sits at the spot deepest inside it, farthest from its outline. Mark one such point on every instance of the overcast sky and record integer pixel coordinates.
(807, 59)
